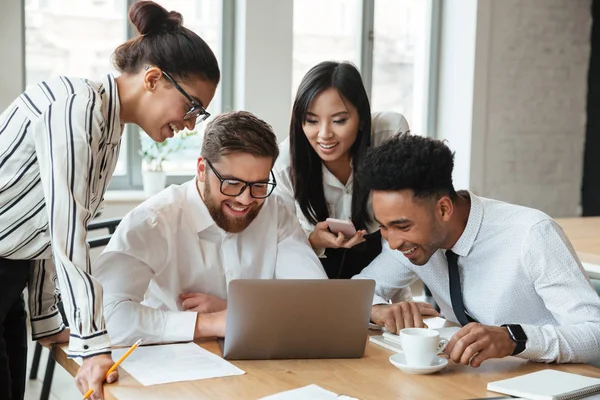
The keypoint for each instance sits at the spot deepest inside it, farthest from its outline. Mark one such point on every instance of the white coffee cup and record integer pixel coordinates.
(421, 345)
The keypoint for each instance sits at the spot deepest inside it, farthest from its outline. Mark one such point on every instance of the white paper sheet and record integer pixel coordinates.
(310, 392)
(592, 270)
(155, 365)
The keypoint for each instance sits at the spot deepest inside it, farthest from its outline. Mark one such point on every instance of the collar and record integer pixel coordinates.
(330, 179)
(197, 211)
(110, 97)
(463, 245)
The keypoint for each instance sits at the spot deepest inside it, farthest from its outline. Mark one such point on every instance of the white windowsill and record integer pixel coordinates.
(118, 196)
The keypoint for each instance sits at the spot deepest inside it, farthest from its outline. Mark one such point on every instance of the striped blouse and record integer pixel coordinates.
(59, 144)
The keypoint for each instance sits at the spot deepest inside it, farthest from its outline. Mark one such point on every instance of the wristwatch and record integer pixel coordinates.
(517, 334)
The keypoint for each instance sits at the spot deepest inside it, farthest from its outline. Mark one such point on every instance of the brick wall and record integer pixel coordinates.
(536, 103)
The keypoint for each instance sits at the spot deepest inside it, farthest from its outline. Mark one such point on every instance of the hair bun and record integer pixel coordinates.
(175, 18)
(150, 17)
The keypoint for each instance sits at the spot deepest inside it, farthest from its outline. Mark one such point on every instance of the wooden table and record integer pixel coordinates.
(584, 234)
(370, 377)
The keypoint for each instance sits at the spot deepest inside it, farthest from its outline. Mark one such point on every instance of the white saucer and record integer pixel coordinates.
(399, 361)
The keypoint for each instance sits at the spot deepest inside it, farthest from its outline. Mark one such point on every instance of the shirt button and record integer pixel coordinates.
(85, 347)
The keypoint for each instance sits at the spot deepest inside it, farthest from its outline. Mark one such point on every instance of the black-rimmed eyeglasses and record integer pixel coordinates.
(196, 112)
(234, 187)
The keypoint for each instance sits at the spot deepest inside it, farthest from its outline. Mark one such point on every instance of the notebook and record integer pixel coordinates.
(548, 385)
(388, 344)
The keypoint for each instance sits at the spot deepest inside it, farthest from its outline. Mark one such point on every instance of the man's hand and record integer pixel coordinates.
(61, 337)
(208, 325)
(397, 316)
(427, 309)
(475, 343)
(91, 375)
(202, 303)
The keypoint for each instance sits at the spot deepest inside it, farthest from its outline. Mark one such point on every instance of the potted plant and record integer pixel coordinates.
(155, 153)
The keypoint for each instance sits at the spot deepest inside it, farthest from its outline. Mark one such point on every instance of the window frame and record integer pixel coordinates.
(132, 179)
(367, 38)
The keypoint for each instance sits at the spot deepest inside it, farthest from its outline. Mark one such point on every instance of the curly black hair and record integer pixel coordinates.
(421, 164)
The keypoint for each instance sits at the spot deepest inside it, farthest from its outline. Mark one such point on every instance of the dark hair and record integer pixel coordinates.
(164, 42)
(306, 167)
(238, 132)
(422, 165)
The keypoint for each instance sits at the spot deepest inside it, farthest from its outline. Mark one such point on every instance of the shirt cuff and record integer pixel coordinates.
(534, 348)
(89, 346)
(320, 253)
(43, 326)
(180, 326)
(379, 300)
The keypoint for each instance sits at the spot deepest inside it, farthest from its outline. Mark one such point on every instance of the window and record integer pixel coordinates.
(399, 40)
(78, 37)
(388, 40)
(324, 30)
(204, 17)
(73, 38)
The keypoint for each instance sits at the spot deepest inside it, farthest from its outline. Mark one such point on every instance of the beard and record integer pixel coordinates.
(228, 223)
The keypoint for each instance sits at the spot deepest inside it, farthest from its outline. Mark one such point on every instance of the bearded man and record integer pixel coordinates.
(167, 267)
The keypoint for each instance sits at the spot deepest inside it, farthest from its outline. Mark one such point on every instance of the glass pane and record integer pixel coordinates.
(205, 18)
(399, 69)
(74, 38)
(324, 30)
(121, 168)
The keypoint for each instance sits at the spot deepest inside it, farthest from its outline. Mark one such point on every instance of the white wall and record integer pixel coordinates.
(11, 48)
(513, 104)
(456, 90)
(263, 57)
(538, 68)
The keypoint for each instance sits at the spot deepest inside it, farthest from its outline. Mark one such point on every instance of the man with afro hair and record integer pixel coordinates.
(507, 273)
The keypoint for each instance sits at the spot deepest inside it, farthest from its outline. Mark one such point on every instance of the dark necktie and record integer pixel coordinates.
(455, 291)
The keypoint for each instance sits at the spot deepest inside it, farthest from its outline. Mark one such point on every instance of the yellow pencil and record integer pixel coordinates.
(115, 366)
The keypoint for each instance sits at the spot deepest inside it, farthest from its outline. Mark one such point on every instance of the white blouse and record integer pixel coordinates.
(338, 196)
(60, 143)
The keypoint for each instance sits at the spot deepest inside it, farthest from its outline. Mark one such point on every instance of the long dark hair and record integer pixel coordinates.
(306, 167)
(167, 44)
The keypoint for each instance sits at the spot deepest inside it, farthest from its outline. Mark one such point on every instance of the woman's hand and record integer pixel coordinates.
(322, 238)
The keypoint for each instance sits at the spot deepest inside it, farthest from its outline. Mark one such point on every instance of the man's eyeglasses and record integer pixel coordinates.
(234, 187)
(196, 111)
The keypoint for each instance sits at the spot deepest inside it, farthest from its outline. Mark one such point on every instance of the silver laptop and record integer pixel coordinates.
(297, 318)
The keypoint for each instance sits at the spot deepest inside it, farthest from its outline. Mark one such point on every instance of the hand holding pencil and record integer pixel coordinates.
(110, 376)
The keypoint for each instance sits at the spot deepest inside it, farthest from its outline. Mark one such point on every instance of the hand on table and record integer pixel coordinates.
(91, 375)
(427, 309)
(397, 316)
(475, 343)
(212, 324)
(202, 303)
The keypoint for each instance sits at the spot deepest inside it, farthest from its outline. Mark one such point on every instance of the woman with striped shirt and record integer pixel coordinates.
(59, 144)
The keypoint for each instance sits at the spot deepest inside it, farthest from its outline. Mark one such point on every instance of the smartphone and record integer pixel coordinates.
(339, 225)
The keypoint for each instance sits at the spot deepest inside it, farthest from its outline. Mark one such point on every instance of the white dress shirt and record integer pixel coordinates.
(59, 142)
(338, 196)
(170, 245)
(516, 267)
